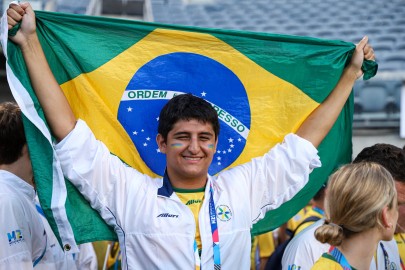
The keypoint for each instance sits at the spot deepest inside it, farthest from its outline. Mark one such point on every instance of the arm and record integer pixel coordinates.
(321, 120)
(55, 105)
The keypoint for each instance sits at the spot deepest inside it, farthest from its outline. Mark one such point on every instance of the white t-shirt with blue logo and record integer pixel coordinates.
(23, 240)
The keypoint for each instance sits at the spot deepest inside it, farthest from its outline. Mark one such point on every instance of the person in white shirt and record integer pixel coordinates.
(25, 242)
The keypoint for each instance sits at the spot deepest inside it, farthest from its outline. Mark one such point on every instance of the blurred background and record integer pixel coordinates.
(379, 103)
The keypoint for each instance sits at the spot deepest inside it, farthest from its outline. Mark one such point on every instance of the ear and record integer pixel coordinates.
(161, 143)
(385, 218)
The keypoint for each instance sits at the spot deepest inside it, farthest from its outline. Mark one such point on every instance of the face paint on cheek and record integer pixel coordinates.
(210, 146)
(176, 145)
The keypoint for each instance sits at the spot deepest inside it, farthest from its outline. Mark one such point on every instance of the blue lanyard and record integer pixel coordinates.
(214, 230)
(340, 258)
(386, 258)
(346, 266)
(215, 235)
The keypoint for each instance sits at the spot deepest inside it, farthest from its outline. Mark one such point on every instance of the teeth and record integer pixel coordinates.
(189, 158)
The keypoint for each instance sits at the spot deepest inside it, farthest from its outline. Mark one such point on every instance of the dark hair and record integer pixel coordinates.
(389, 156)
(187, 107)
(12, 136)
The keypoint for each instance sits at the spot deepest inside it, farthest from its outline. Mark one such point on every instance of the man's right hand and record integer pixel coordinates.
(24, 14)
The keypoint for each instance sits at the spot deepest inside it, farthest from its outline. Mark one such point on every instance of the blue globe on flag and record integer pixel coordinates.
(178, 73)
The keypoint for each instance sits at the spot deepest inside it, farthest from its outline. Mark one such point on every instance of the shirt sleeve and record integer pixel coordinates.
(276, 177)
(15, 236)
(101, 177)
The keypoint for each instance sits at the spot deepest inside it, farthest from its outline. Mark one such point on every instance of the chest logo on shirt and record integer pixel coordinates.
(167, 215)
(224, 213)
(190, 202)
(15, 237)
(393, 266)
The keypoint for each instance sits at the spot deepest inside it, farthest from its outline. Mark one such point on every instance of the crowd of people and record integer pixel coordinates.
(356, 212)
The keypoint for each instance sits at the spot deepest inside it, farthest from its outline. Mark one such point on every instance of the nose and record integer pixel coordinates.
(194, 146)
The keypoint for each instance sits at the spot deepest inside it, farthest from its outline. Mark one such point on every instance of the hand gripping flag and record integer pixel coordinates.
(117, 75)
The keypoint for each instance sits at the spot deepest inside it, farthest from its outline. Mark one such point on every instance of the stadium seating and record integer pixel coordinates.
(347, 20)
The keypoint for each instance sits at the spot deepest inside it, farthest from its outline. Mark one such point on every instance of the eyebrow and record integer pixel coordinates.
(188, 133)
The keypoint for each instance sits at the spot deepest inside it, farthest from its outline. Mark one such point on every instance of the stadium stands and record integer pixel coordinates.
(382, 21)
(377, 102)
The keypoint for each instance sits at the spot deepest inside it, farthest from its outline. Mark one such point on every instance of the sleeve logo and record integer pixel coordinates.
(15, 237)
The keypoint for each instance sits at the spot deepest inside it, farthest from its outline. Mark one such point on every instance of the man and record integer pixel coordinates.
(155, 227)
(304, 250)
(25, 240)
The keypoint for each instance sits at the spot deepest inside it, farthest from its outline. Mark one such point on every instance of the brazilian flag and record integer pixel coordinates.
(117, 75)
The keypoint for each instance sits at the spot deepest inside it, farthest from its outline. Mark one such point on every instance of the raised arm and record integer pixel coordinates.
(55, 105)
(321, 120)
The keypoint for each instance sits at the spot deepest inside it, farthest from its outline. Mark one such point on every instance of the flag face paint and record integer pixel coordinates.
(118, 74)
(176, 145)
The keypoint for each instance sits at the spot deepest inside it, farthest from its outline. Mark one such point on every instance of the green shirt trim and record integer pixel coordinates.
(183, 190)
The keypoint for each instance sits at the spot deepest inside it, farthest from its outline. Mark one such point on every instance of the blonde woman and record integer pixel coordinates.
(361, 210)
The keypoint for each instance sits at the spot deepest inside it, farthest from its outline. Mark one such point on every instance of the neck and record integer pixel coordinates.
(360, 248)
(187, 183)
(15, 168)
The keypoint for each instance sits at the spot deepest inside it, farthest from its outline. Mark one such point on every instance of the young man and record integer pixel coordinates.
(156, 230)
(304, 250)
(25, 240)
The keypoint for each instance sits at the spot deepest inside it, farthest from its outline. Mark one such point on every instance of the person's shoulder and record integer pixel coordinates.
(326, 262)
(307, 235)
(305, 245)
(10, 199)
(12, 208)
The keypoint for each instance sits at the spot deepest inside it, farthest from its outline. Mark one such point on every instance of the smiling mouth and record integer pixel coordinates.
(193, 158)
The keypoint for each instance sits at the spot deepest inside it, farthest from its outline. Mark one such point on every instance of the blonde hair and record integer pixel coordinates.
(356, 196)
